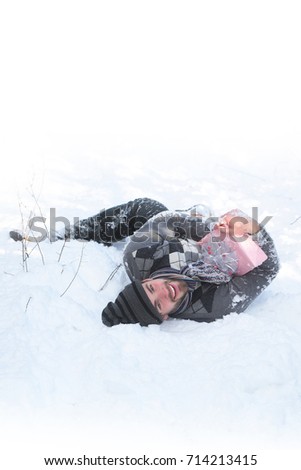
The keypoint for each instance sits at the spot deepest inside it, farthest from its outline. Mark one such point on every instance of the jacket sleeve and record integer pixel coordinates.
(158, 232)
(170, 225)
(237, 294)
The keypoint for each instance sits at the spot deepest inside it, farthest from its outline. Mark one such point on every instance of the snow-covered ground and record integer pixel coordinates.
(171, 129)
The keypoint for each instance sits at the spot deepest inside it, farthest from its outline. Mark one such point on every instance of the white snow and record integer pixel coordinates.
(102, 105)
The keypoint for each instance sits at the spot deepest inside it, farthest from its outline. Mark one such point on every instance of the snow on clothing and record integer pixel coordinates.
(165, 243)
(116, 223)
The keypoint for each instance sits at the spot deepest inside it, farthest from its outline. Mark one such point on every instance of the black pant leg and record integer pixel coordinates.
(116, 223)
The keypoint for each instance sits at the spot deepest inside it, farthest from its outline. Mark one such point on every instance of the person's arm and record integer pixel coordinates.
(152, 241)
(214, 302)
(174, 225)
(238, 294)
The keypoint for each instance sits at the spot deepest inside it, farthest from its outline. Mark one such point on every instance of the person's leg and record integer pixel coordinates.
(116, 223)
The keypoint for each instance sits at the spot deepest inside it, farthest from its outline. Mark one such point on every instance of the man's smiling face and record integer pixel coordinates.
(165, 294)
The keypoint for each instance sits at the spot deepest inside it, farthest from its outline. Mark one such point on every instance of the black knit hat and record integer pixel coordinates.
(131, 306)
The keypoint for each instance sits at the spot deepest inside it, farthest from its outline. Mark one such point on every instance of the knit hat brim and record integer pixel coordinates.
(131, 306)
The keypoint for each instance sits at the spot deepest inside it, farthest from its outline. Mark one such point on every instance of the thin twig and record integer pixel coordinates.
(42, 256)
(27, 304)
(37, 245)
(41, 214)
(61, 252)
(110, 277)
(296, 220)
(40, 210)
(76, 273)
(24, 246)
(25, 255)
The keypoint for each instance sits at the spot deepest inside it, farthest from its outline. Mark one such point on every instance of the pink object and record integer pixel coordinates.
(249, 254)
(224, 251)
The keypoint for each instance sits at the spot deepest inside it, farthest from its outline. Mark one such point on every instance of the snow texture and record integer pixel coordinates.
(87, 129)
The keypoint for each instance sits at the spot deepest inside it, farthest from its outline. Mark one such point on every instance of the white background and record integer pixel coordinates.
(185, 102)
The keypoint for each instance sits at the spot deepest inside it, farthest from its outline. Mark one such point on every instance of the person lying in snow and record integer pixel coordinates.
(170, 270)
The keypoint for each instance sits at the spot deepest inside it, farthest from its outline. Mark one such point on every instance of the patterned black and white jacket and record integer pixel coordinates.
(168, 240)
